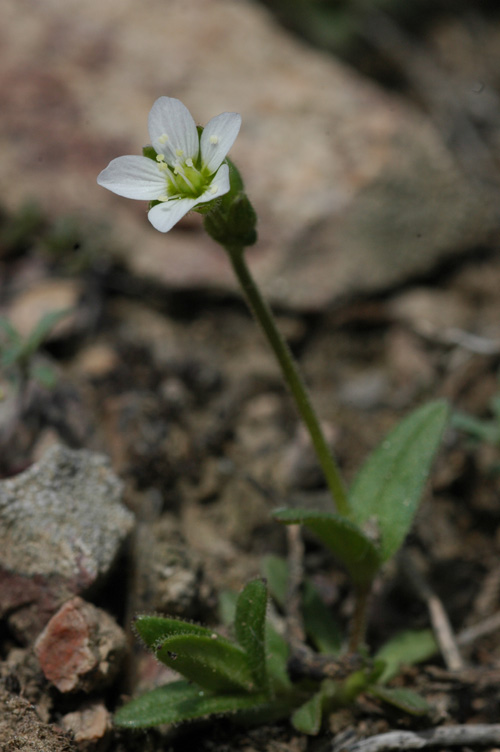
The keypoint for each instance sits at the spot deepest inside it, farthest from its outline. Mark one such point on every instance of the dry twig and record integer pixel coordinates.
(444, 736)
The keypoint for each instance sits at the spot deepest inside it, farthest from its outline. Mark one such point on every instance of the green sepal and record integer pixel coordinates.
(212, 662)
(232, 221)
(402, 698)
(149, 152)
(346, 541)
(181, 701)
(405, 648)
(388, 487)
(249, 628)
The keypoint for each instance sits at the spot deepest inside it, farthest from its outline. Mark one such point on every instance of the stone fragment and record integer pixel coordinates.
(81, 648)
(62, 526)
(354, 188)
(89, 726)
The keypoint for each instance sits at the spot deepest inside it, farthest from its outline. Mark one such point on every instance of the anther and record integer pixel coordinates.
(214, 139)
(160, 157)
(179, 152)
(189, 162)
(163, 138)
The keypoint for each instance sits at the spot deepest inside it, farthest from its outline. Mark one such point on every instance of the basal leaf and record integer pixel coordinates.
(406, 648)
(181, 701)
(402, 698)
(212, 662)
(388, 487)
(249, 627)
(155, 629)
(346, 541)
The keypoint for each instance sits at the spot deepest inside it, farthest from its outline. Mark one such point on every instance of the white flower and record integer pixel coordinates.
(189, 168)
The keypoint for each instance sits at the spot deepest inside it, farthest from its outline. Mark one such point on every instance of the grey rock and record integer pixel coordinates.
(62, 525)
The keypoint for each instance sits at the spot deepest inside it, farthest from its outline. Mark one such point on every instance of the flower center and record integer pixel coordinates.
(183, 179)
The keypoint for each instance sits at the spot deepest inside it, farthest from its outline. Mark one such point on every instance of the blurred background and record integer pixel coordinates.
(370, 142)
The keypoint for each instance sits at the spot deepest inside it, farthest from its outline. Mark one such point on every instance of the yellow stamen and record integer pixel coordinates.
(160, 157)
(163, 138)
(214, 139)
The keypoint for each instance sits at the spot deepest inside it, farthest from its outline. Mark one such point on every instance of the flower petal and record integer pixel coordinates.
(165, 215)
(172, 130)
(133, 177)
(218, 136)
(220, 182)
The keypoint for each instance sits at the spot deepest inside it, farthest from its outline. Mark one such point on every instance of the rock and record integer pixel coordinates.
(22, 730)
(169, 576)
(81, 648)
(355, 190)
(62, 526)
(90, 725)
(29, 307)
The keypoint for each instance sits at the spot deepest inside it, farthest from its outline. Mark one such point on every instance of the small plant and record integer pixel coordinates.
(17, 353)
(186, 168)
(480, 429)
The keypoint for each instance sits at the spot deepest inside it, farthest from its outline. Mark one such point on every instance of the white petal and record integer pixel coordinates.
(165, 215)
(218, 136)
(172, 130)
(133, 177)
(220, 182)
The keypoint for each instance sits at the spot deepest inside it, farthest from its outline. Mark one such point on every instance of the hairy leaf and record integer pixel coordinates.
(388, 487)
(249, 627)
(155, 629)
(181, 701)
(211, 662)
(347, 542)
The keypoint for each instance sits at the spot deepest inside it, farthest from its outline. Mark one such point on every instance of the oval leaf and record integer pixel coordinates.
(249, 627)
(406, 648)
(181, 701)
(388, 487)
(346, 541)
(402, 698)
(211, 662)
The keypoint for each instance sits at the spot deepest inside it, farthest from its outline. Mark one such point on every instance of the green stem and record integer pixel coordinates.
(292, 377)
(357, 629)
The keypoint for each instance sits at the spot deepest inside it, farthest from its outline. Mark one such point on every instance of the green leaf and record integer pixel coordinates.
(181, 701)
(277, 661)
(402, 698)
(346, 541)
(42, 329)
(319, 623)
(155, 629)
(275, 570)
(307, 718)
(406, 648)
(388, 487)
(249, 627)
(212, 662)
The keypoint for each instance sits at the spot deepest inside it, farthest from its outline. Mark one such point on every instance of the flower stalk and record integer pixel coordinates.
(263, 315)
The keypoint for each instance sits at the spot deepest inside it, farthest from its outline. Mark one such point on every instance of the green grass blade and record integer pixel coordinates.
(250, 626)
(388, 487)
(181, 701)
(402, 698)
(214, 664)
(346, 541)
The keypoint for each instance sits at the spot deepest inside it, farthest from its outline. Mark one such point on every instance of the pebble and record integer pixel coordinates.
(81, 648)
(62, 527)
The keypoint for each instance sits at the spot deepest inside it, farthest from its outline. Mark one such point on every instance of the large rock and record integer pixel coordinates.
(354, 189)
(62, 525)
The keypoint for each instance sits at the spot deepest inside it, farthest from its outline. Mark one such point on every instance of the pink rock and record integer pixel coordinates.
(81, 648)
